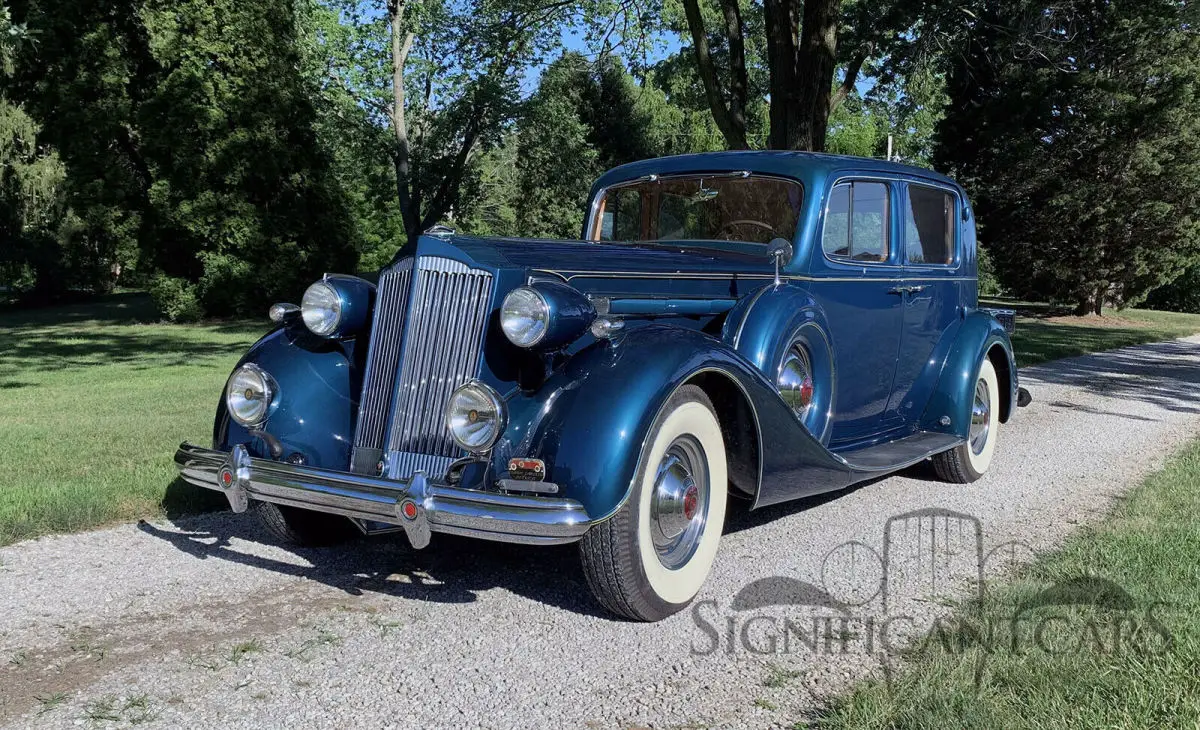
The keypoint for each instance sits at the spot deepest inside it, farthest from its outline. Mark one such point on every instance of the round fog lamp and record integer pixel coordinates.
(475, 416)
(248, 394)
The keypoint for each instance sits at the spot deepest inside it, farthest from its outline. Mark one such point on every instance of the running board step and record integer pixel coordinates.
(900, 453)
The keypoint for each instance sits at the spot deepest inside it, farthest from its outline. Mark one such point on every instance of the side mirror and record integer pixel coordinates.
(779, 250)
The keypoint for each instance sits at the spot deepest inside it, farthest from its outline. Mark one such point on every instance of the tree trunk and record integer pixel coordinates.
(730, 120)
(780, 20)
(410, 205)
(816, 62)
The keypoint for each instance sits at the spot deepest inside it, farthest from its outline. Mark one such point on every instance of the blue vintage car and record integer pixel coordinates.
(758, 325)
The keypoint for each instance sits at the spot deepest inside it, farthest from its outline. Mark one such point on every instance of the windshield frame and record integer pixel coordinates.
(593, 224)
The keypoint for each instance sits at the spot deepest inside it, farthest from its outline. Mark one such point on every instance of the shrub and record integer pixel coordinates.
(176, 299)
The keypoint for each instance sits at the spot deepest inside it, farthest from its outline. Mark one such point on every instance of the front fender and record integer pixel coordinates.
(953, 395)
(591, 419)
(315, 408)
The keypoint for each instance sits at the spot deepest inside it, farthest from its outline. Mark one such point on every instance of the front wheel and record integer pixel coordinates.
(967, 462)
(650, 559)
(304, 528)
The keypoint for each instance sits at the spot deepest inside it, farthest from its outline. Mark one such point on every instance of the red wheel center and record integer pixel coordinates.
(806, 392)
(691, 502)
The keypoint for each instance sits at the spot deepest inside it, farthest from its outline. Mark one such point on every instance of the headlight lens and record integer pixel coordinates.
(321, 309)
(524, 317)
(248, 395)
(475, 416)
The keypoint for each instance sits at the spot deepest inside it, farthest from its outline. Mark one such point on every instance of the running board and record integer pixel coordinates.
(893, 455)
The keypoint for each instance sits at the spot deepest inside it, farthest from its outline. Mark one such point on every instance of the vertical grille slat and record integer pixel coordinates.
(383, 357)
(441, 351)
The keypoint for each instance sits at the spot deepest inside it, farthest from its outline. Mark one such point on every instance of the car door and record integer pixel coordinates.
(930, 218)
(854, 274)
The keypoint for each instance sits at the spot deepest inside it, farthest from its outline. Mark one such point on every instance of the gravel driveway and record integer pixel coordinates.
(205, 623)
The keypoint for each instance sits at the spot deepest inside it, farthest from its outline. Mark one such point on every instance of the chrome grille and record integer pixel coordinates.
(442, 346)
(383, 357)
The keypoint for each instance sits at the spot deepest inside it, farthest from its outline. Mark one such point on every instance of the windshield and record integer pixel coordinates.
(738, 207)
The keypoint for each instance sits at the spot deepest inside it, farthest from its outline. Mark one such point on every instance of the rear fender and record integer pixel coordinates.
(949, 406)
(764, 326)
(590, 421)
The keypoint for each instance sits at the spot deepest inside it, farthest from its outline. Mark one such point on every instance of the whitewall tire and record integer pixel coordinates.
(650, 559)
(968, 461)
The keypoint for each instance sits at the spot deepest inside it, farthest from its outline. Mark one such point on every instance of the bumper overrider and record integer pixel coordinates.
(418, 505)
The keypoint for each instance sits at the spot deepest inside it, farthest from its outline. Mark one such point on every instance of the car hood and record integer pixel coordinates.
(594, 257)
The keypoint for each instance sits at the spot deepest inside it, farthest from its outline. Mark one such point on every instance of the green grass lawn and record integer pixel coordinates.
(93, 402)
(1150, 550)
(1045, 332)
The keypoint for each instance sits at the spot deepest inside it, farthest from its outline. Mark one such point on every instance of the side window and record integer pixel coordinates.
(856, 222)
(929, 226)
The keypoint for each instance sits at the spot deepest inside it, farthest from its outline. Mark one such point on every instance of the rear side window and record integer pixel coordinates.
(856, 222)
(929, 226)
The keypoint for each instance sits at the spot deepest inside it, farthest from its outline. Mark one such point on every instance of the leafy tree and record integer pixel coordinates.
(200, 159)
(788, 52)
(37, 228)
(1076, 126)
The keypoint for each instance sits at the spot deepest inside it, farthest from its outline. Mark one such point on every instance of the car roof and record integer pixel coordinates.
(780, 162)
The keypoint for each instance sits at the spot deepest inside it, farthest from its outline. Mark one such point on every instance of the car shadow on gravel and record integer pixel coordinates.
(1164, 374)
(450, 570)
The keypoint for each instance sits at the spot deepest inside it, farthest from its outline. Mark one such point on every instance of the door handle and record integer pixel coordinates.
(906, 290)
(916, 289)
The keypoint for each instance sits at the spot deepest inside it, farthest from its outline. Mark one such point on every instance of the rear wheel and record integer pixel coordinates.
(304, 527)
(967, 462)
(650, 559)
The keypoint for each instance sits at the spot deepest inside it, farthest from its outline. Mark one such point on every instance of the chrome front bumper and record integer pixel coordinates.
(417, 505)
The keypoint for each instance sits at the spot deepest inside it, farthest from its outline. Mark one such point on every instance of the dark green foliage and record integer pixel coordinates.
(1076, 128)
(187, 131)
(1181, 295)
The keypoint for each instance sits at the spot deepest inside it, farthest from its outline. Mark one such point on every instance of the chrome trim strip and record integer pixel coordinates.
(440, 507)
(568, 275)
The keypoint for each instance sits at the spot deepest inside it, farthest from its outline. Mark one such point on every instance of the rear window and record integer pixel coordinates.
(929, 226)
(751, 209)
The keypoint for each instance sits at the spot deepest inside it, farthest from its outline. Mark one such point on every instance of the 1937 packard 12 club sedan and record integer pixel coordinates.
(764, 325)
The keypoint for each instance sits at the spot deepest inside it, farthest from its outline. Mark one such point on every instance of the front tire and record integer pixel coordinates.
(967, 462)
(304, 527)
(650, 559)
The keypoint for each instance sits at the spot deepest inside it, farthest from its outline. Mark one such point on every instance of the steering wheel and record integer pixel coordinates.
(727, 228)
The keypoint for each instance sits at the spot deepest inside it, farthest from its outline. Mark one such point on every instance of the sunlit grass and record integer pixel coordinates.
(93, 402)
(1150, 551)
(1051, 333)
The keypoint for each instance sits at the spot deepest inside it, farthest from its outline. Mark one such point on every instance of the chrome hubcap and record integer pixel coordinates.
(796, 381)
(981, 417)
(679, 506)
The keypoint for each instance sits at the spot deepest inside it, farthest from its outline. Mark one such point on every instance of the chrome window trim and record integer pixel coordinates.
(590, 223)
(890, 182)
(959, 206)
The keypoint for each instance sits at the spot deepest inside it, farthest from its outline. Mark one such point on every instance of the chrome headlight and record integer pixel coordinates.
(248, 394)
(475, 416)
(321, 309)
(525, 316)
